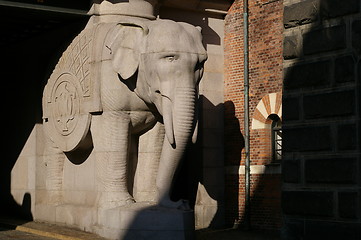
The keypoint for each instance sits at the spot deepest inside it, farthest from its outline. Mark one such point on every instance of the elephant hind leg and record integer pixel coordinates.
(54, 161)
(111, 135)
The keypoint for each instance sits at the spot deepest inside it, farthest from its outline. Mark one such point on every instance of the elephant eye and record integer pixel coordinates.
(170, 58)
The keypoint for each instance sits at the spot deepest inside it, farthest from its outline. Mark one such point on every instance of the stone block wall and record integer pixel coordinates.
(265, 76)
(321, 194)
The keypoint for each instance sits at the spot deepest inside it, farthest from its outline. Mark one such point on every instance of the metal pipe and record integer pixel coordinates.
(247, 213)
(43, 8)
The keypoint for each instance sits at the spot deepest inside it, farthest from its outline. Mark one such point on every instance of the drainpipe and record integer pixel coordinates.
(247, 213)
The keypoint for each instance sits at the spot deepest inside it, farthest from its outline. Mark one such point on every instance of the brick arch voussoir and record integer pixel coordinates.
(269, 104)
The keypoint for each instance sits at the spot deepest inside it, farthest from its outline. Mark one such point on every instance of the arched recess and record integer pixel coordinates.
(269, 104)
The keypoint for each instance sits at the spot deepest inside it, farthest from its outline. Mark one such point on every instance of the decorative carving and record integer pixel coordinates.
(65, 121)
(76, 60)
(66, 109)
(69, 96)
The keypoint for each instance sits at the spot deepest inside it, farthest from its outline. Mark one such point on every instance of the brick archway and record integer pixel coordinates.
(269, 104)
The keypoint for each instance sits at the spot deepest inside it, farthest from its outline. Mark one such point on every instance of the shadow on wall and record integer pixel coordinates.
(234, 144)
(24, 73)
(17, 107)
(21, 108)
(321, 140)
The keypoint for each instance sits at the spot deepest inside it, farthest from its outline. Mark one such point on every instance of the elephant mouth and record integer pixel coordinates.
(162, 95)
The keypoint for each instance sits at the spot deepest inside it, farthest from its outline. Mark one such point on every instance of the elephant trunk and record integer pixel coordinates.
(180, 122)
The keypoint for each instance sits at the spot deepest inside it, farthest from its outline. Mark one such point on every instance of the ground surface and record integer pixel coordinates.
(11, 229)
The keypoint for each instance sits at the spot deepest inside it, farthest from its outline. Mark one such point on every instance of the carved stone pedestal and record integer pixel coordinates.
(134, 221)
(144, 221)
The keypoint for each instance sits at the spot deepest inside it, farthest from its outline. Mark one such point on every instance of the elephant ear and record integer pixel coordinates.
(126, 48)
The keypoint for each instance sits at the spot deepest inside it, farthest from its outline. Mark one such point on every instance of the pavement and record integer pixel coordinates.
(15, 229)
(236, 234)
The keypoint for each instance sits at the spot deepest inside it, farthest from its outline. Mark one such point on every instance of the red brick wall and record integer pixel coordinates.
(265, 76)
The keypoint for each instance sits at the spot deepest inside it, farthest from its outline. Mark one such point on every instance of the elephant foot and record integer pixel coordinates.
(180, 204)
(115, 199)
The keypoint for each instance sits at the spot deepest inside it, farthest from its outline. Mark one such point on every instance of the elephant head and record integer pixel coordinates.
(167, 59)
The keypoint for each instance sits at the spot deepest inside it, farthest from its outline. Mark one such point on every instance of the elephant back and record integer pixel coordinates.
(72, 93)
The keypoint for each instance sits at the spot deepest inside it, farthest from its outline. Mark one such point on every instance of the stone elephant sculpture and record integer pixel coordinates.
(118, 79)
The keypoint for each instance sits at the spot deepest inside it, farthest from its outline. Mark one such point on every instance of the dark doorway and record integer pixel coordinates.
(31, 40)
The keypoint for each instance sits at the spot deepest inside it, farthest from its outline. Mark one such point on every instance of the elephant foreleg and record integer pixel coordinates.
(111, 135)
(169, 163)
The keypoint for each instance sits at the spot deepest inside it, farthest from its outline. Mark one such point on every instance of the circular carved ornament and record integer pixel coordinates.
(65, 120)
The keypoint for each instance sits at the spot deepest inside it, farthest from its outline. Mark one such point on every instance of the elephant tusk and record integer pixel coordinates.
(168, 120)
(195, 133)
